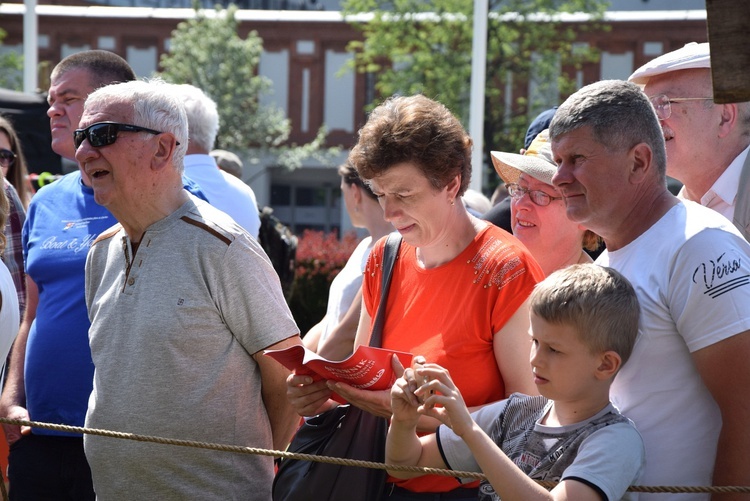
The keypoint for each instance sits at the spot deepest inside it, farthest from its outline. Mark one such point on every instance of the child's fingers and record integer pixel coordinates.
(418, 360)
(409, 377)
(436, 386)
(433, 371)
(439, 413)
(403, 389)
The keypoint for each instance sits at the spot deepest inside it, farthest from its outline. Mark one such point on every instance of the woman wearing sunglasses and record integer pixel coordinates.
(537, 210)
(18, 193)
(13, 162)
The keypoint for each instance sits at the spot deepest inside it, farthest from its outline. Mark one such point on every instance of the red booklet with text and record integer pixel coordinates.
(367, 368)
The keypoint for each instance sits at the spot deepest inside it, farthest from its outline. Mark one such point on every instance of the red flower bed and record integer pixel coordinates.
(320, 257)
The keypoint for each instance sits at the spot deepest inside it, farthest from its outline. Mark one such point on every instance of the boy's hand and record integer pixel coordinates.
(403, 401)
(441, 399)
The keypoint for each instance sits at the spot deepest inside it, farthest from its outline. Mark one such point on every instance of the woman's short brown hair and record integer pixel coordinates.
(417, 130)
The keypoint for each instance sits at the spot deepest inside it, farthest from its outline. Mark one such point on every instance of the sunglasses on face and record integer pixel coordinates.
(105, 133)
(7, 157)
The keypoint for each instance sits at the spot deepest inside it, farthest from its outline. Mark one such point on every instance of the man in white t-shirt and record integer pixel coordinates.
(707, 143)
(223, 190)
(685, 384)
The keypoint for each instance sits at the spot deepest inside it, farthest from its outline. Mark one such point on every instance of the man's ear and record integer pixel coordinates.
(728, 118)
(609, 364)
(642, 162)
(165, 148)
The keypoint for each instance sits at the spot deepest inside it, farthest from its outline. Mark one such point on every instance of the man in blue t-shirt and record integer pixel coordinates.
(51, 370)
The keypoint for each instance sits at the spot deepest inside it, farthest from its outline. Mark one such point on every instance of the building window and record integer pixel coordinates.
(281, 195)
(275, 67)
(307, 206)
(653, 49)
(339, 92)
(107, 43)
(305, 47)
(142, 60)
(616, 66)
(308, 196)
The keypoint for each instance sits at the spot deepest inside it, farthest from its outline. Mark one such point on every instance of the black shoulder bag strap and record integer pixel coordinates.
(390, 253)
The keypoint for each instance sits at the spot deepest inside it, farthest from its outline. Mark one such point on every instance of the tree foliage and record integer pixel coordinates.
(419, 46)
(11, 67)
(207, 51)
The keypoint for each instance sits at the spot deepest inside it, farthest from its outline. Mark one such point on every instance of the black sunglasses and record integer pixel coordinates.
(105, 133)
(7, 157)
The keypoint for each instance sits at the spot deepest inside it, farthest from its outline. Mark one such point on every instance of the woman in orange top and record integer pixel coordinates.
(460, 285)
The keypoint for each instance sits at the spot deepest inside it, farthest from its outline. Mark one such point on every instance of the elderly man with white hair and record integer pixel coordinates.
(182, 303)
(707, 143)
(224, 191)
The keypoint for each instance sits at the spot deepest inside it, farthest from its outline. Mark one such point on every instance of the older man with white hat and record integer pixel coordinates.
(707, 143)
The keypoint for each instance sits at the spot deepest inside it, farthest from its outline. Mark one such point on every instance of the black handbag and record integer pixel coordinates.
(344, 431)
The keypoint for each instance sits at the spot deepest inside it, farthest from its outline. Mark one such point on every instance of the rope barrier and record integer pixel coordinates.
(336, 460)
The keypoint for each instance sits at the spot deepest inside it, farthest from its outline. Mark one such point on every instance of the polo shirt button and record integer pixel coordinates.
(131, 281)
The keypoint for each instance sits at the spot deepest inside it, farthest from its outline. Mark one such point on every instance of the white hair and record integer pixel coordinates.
(154, 105)
(202, 116)
(476, 201)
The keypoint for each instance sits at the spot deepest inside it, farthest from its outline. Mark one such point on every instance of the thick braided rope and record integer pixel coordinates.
(239, 449)
(335, 460)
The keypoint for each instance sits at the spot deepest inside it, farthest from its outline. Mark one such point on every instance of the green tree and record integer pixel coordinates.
(418, 46)
(11, 67)
(206, 51)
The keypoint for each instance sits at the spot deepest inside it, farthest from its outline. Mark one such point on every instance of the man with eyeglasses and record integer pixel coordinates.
(182, 303)
(707, 143)
(50, 373)
(685, 385)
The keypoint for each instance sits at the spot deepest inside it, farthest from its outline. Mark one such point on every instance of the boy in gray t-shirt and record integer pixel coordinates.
(584, 321)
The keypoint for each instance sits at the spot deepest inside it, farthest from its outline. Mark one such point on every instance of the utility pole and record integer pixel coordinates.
(478, 77)
(30, 51)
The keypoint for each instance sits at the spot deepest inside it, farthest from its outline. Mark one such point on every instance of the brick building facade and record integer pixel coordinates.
(304, 52)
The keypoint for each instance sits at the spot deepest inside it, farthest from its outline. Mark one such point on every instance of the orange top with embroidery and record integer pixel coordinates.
(450, 314)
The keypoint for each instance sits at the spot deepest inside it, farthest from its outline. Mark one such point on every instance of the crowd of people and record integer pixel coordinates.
(591, 329)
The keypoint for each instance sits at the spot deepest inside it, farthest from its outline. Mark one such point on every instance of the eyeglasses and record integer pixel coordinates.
(105, 133)
(7, 157)
(663, 104)
(540, 198)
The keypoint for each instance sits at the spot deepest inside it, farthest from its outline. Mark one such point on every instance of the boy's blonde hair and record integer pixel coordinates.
(597, 301)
